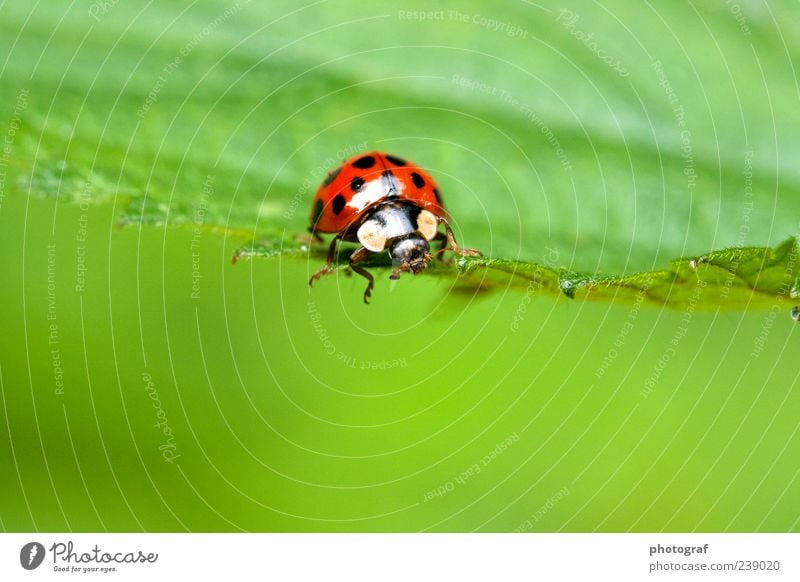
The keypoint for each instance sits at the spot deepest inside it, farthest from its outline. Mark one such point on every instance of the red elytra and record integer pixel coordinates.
(366, 179)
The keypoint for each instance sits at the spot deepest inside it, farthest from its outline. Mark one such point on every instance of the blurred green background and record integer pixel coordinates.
(148, 384)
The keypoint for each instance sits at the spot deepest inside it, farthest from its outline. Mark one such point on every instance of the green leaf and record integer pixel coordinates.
(737, 278)
(610, 189)
(604, 169)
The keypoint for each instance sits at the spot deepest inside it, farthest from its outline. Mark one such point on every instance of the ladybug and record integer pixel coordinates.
(384, 203)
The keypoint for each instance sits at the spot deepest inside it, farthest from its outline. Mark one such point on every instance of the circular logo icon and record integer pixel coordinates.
(31, 555)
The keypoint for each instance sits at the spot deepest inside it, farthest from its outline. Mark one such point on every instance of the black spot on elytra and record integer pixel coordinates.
(364, 163)
(418, 180)
(438, 196)
(356, 184)
(318, 208)
(331, 176)
(338, 204)
(396, 161)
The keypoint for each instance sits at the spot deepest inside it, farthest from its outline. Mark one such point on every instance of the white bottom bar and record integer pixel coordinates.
(400, 557)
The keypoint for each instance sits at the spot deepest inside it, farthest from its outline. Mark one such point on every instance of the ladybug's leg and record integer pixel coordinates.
(440, 238)
(451, 244)
(356, 258)
(327, 266)
(314, 236)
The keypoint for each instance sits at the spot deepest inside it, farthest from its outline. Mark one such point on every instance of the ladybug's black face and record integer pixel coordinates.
(411, 253)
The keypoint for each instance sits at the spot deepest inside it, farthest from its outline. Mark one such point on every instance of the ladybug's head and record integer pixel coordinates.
(410, 253)
(402, 228)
